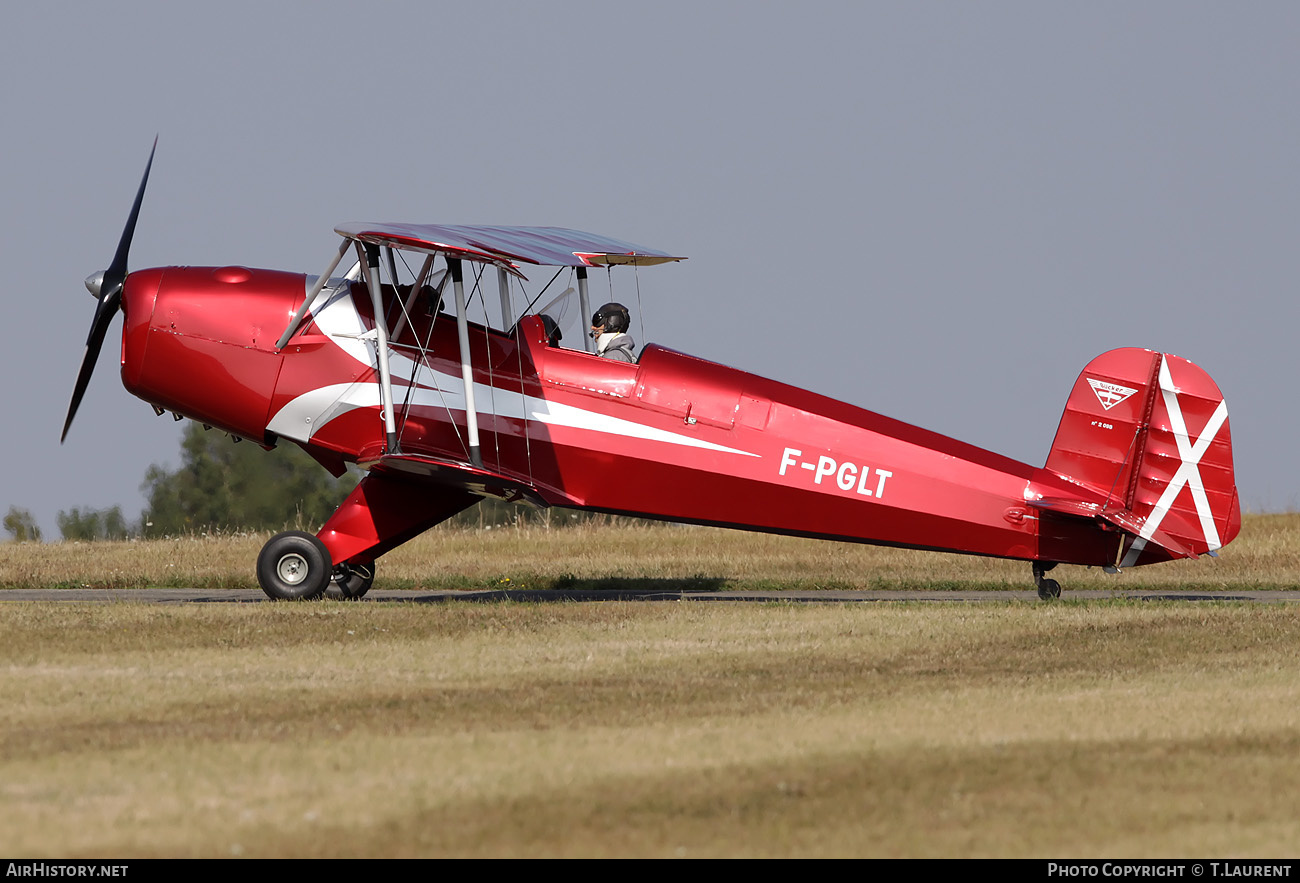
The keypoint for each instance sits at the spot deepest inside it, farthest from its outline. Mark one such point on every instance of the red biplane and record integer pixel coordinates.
(445, 392)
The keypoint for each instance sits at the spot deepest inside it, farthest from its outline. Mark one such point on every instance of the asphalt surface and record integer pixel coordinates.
(250, 596)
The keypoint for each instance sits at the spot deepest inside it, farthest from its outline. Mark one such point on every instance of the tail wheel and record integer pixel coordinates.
(354, 580)
(1048, 589)
(294, 566)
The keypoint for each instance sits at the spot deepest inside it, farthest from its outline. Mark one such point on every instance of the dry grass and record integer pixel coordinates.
(1265, 556)
(635, 729)
(1104, 729)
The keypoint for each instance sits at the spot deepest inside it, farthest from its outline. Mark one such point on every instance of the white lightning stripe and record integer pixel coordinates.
(1188, 474)
(558, 414)
(303, 417)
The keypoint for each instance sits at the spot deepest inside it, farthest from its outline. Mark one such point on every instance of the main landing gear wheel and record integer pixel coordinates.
(1048, 589)
(353, 580)
(294, 566)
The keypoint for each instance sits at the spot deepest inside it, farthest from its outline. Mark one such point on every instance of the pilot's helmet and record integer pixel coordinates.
(614, 317)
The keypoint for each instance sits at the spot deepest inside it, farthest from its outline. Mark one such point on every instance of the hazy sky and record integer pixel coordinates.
(937, 211)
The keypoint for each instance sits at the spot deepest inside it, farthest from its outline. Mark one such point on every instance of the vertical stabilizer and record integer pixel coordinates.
(1148, 434)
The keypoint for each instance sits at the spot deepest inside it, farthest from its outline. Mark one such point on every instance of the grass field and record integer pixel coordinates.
(696, 729)
(637, 555)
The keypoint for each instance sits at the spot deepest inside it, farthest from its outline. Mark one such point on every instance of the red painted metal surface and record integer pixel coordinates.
(671, 437)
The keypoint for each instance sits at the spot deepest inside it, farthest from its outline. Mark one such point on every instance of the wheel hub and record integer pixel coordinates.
(292, 569)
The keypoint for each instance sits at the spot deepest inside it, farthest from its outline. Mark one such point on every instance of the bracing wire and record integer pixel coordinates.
(392, 342)
(640, 313)
(425, 361)
(539, 294)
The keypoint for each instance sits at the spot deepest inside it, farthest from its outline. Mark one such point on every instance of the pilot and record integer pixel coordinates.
(609, 326)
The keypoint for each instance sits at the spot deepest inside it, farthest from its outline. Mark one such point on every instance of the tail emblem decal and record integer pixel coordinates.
(1188, 474)
(1109, 394)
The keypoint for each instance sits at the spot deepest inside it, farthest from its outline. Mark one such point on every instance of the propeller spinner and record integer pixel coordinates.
(107, 288)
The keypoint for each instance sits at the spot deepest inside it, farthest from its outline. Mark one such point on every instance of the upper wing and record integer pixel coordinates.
(550, 246)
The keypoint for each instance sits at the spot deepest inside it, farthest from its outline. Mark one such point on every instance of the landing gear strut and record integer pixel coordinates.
(353, 580)
(1048, 589)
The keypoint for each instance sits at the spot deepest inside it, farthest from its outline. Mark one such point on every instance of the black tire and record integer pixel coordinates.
(294, 566)
(1049, 589)
(353, 580)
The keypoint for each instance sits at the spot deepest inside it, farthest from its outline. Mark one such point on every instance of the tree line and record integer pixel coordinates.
(225, 486)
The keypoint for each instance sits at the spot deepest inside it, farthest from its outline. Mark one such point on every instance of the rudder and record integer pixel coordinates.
(1148, 433)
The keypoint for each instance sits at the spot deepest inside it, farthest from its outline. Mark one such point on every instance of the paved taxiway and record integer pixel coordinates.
(248, 596)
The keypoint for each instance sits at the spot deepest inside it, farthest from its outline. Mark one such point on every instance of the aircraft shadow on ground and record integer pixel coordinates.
(600, 589)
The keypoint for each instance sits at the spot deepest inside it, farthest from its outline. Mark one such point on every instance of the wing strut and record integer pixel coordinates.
(503, 288)
(381, 345)
(311, 297)
(466, 370)
(584, 301)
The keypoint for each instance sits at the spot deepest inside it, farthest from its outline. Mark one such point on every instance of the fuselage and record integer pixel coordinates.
(670, 437)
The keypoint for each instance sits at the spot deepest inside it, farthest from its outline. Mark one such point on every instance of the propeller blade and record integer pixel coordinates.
(110, 299)
(104, 313)
(116, 272)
